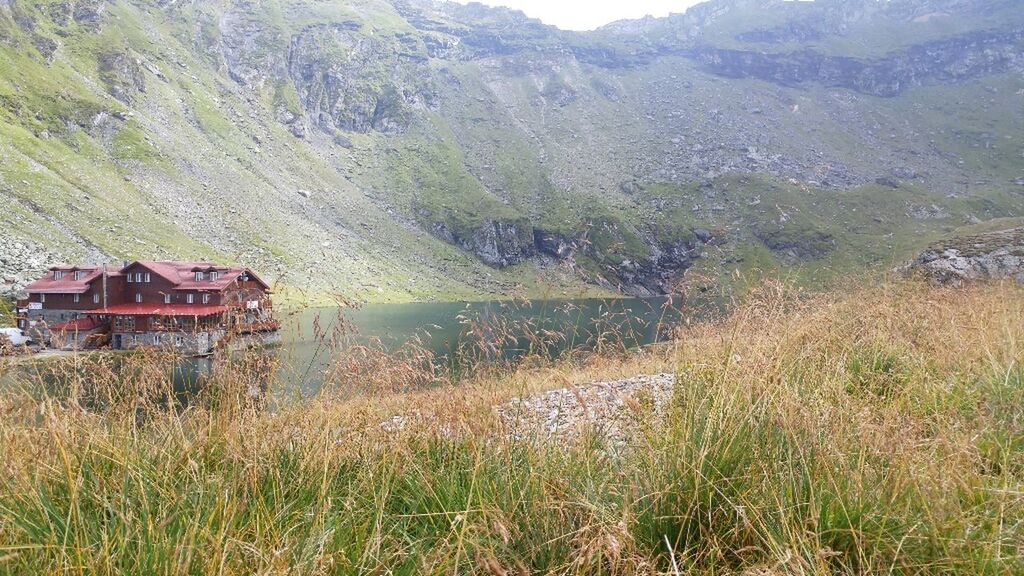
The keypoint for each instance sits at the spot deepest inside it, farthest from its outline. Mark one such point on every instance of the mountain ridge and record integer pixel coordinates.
(420, 150)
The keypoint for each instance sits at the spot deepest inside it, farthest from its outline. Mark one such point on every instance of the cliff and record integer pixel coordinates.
(412, 149)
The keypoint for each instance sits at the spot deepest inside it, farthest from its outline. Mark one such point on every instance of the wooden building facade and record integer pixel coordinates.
(192, 306)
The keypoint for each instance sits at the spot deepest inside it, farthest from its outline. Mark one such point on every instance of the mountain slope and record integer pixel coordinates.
(408, 149)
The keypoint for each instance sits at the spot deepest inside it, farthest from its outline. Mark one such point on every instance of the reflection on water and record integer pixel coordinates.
(486, 330)
(315, 341)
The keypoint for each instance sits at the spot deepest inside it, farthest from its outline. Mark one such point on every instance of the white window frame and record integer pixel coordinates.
(147, 277)
(190, 298)
(138, 277)
(138, 297)
(77, 298)
(214, 276)
(58, 274)
(167, 298)
(206, 298)
(42, 298)
(79, 274)
(96, 298)
(130, 278)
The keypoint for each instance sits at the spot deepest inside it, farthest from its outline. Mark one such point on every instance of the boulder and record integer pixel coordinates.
(962, 259)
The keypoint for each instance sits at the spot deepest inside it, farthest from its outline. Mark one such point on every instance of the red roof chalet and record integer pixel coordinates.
(186, 304)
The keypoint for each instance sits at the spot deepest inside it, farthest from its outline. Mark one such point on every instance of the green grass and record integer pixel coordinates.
(6, 312)
(870, 432)
(431, 176)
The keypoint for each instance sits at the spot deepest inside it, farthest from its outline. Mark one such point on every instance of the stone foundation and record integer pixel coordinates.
(184, 342)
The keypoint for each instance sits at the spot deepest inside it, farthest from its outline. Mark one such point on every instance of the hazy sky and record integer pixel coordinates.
(589, 14)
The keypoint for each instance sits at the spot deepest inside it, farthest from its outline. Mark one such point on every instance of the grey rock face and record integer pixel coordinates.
(502, 243)
(996, 255)
(945, 61)
(498, 243)
(46, 46)
(655, 275)
(21, 262)
(122, 74)
(647, 276)
(356, 82)
(89, 12)
(554, 244)
(253, 49)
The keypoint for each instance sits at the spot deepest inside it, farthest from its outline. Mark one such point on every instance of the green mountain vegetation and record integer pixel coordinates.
(408, 149)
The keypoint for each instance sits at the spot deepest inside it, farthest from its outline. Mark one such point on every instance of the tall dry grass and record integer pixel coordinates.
(880, 431)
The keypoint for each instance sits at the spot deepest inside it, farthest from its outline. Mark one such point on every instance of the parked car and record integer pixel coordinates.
(14, 336)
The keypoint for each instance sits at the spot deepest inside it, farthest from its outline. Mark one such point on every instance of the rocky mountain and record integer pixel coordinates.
(974, 255)
(410, 149)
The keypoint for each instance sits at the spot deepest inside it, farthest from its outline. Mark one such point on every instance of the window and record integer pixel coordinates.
(96, 298)
(42, 298)
(124, 323)
(190, 298)
(138, 298)
(138, 277)
(129, 278)
(199, 276)
(79, 274)
(214, 276)
(167, 298)
(58, 274)
(78, 298)
(206, 298)
(147, 277)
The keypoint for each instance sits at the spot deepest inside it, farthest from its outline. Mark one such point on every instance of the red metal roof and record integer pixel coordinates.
(79, 325)
(159, 310)
(182, 274)
(67, 284)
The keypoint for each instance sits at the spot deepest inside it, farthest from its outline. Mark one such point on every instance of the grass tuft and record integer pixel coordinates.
(879, 431)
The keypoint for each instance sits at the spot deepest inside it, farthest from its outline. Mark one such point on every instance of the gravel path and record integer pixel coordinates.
(607, 408)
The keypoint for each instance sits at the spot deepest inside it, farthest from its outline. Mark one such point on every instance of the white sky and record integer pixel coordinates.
(590, 14)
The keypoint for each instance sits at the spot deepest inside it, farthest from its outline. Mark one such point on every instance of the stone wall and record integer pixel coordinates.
(184, 342)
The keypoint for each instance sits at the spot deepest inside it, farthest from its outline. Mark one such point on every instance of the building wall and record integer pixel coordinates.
(53, 315)
(155, 291)
(115, 289)
(151, 292)
(64, 301)
(185, 342)
(140, 323)
(72, 340)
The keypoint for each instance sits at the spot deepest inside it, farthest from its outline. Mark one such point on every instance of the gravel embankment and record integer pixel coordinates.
(606, 408)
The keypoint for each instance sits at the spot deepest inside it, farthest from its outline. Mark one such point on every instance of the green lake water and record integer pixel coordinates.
(313, 339)
(450, 336)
